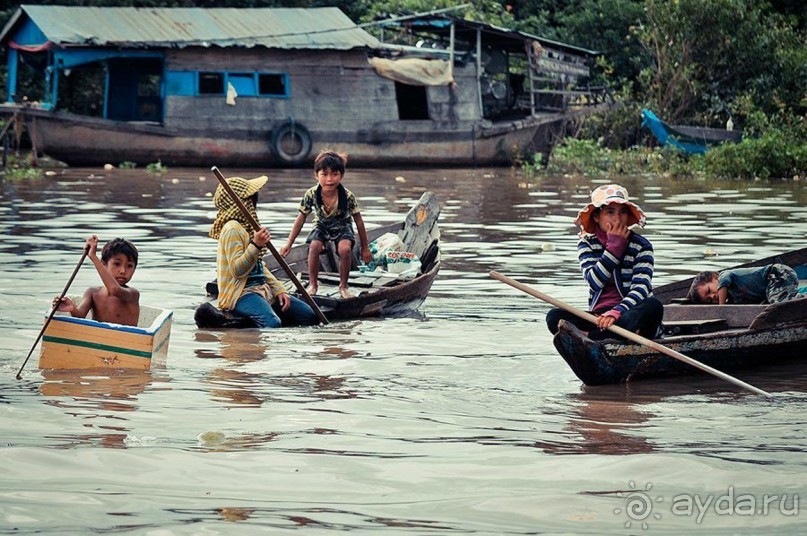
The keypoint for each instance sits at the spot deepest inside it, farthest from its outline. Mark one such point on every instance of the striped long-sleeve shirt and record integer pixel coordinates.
(235, 259)
(633, 274)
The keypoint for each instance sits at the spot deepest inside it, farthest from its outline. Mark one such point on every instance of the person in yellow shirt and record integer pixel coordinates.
(245, 285)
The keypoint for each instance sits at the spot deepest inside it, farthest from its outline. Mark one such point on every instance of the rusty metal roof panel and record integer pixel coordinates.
(288, 28)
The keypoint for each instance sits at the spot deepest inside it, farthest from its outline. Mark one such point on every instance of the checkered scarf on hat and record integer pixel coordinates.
(228, 210)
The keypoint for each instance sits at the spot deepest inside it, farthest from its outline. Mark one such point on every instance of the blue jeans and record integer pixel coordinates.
(265, 315)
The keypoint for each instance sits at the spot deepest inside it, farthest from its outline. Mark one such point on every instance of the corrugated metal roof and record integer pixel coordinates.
(288, 28)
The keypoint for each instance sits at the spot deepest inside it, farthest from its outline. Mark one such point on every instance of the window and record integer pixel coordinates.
(211, 83)
(245, 84)
(272, 84)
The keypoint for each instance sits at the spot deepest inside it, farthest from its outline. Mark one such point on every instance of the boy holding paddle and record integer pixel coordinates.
(115, 301)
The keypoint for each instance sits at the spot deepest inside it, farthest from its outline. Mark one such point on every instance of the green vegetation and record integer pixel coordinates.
(20, 168)
(156, 167)
(750, 66)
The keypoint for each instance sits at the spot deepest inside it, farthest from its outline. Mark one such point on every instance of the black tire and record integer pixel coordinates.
(291, 143)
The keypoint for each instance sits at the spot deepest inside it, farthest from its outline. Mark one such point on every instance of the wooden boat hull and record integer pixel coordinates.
(374, 295)
(603, 363)
(80, 343)
(725, 337)
(89, 141)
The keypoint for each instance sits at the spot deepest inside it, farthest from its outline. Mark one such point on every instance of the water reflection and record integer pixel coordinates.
(240, 385)
(601, 423)
(323, 518)
(100, 398)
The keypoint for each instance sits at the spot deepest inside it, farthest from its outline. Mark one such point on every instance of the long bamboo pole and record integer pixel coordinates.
(628, 334)
(53, 311)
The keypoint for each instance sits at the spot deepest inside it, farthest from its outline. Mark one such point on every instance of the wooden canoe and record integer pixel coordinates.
(689, 139)
(376, 293)
(725, 337)
(81, 343)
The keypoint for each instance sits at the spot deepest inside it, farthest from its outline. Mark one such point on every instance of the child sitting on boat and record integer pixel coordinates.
(772, 283)
(617, 264)
(335, 208)
(115, 301)
(245, 285)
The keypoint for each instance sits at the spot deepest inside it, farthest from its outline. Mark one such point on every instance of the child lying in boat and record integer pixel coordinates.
(772, 283)
(334, 207)
(114, 301)
(617, 264)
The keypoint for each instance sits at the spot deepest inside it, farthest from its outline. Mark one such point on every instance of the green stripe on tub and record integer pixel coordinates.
(95, 346)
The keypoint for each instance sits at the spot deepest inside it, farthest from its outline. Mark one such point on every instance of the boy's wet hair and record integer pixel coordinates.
(700, 280)
(332, 160)
(116, 246)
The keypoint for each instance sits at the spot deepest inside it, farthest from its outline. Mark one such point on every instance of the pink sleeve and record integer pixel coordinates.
(616, 245)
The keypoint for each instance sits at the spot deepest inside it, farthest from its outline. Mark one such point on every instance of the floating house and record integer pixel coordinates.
(273, 86)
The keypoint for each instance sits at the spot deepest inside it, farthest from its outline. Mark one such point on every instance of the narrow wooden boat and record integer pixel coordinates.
(376, 293)
(725, 337)
(689, 139)
(81, 343)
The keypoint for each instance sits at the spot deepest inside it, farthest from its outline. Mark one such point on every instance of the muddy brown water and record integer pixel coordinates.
(460, 420)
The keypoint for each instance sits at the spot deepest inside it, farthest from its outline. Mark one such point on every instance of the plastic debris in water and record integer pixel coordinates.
(210, 438)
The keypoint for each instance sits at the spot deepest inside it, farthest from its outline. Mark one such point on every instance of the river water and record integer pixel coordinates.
(460, 420)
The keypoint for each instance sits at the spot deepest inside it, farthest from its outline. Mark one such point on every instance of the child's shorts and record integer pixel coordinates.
(783, 283)
(332, 233)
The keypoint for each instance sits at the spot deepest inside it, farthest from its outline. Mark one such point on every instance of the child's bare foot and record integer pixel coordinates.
(345, 293)
(311, 289)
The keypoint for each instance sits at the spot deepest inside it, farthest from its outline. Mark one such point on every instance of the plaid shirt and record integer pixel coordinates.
(342, 214)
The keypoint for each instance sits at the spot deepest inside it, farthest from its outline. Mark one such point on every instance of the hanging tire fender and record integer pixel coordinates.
(291, 142)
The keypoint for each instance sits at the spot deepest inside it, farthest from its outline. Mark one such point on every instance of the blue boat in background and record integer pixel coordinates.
(690, 140)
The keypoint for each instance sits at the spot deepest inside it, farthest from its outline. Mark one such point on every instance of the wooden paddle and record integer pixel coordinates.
(628, 334)
(278, 257)
(55, 307)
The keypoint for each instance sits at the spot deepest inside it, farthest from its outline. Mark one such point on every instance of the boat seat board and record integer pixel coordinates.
(689, 327)
(735, 316)
(355, 279)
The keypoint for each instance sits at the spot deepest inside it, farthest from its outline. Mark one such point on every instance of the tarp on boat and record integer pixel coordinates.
(414, 71)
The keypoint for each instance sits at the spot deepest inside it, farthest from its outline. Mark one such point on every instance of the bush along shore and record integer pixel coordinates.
(772, 155)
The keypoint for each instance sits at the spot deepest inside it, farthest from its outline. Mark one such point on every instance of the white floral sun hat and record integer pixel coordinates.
(603, 195)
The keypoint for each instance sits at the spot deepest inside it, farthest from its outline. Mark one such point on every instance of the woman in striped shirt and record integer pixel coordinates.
(617, 264)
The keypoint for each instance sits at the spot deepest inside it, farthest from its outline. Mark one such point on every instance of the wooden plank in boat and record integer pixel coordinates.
(689, 327)
(364, 280)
